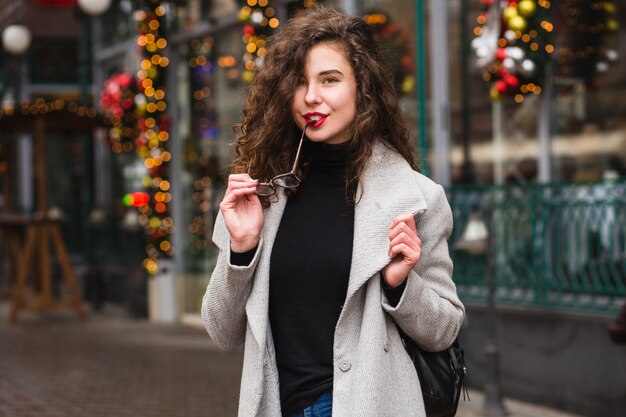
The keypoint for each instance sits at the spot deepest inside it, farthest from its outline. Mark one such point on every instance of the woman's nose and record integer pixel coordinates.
(312, 95)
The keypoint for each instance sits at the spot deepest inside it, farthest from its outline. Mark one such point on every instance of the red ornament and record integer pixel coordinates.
(501, 86)
(391, 29)
(511, 80)
(140, 198)
(248, 30)
(407, 63)
(500, 54)
(124, 79)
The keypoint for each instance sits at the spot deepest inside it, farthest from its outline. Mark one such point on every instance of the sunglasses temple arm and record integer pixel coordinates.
(295, 162)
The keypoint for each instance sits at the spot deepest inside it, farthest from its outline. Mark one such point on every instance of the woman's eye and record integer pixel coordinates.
(330, 80)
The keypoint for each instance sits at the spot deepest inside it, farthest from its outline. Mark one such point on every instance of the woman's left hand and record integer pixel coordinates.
(405, 249)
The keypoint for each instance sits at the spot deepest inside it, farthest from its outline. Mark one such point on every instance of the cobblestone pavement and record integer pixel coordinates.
(54, 365)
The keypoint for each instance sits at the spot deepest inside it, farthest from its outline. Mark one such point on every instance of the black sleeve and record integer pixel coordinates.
(242, 259)
(394, 294)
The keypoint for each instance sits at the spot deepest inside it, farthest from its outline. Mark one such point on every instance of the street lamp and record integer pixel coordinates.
(476, 240)
(94, 7)
(16, 39)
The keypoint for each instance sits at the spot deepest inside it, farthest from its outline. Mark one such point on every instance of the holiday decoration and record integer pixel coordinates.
(398, 47)
(121, 99)
(154, 125)
(259, 22)
(513, 44)
(136, 199)
(588, 49)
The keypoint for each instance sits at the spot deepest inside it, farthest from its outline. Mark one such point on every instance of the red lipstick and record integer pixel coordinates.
(315, 119)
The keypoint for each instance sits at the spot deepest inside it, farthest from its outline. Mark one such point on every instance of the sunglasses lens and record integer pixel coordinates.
(264, 190)
(287, 181)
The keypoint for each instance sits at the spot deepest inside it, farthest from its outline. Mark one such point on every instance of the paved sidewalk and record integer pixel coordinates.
(54, 365)
(514, 408)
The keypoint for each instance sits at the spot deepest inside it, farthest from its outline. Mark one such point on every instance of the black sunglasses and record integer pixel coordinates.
(288, 180)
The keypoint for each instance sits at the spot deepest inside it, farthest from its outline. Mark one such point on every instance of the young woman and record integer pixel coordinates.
(329, 237)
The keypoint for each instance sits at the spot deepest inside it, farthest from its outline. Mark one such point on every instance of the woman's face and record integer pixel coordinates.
(326, 97)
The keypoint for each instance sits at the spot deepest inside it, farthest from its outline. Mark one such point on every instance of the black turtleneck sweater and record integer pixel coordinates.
(309, 271)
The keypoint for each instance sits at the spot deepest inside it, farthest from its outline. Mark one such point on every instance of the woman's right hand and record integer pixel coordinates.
(242, 212)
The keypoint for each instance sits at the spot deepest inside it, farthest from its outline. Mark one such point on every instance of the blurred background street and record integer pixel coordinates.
(116, 124)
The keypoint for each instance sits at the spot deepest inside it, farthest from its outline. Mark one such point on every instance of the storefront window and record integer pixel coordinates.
(54, 61)
(394, 21)
(190, 13)
(210, 99)
(118, 23)
(590, 77)
(577, 107)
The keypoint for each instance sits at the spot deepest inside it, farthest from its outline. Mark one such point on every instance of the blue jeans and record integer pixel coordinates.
(323, 407)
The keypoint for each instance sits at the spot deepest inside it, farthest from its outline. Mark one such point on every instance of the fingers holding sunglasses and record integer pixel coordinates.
(238, 180)
(242, 212)
(239, 186)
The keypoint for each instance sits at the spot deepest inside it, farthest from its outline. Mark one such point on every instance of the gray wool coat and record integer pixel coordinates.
(373, 376)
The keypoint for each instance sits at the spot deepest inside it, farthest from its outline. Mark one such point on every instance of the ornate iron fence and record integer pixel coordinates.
(556, 246)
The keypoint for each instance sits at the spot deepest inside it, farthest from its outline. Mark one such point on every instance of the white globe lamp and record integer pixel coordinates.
(16, 39)
(94, 7)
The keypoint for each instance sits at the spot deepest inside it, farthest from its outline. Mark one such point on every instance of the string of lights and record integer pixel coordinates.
(152, 142)
(41, 106)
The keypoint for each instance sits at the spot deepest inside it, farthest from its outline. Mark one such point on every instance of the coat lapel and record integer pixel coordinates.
(388, 188)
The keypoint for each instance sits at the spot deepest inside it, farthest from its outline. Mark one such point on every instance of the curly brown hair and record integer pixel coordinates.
(267, 139)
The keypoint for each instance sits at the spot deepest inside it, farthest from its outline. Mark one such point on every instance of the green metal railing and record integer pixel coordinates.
(555, 246)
